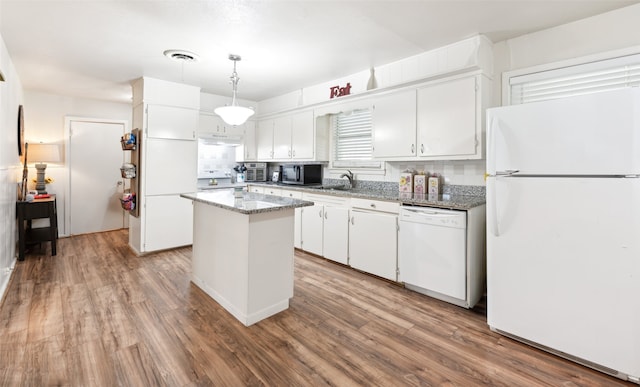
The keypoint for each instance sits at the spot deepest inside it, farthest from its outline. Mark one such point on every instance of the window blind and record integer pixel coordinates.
(352, 136)
(605, 75)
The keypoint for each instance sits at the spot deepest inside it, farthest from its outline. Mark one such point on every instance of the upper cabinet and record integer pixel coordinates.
(292, 137)
(441, 120)
(394, 125)
(211, 124)
(448, 124)
(170, 122)
(246, 151)
(264, 140)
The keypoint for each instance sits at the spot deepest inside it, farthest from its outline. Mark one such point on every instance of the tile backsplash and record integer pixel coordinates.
(455, 172)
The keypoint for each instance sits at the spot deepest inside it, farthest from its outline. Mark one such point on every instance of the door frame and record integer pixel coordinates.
(67, 156)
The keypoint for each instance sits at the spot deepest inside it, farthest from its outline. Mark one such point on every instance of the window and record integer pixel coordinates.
(352, 142)
(580, 79)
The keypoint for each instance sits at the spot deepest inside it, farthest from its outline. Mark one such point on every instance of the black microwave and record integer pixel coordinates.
(301, 174)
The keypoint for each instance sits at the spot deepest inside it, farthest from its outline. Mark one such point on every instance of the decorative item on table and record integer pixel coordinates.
(406, 181)
(128, 171)
(40, 154)
(435, 184)
(240, 169)
(420, 183)
(128, 201)
(128, 141)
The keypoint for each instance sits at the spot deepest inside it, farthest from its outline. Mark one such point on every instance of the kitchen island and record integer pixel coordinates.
(243, 251)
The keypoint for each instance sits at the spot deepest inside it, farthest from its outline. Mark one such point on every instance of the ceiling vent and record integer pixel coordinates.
(181, 55)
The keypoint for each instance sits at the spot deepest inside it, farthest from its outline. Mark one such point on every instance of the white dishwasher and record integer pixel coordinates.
(432, 252)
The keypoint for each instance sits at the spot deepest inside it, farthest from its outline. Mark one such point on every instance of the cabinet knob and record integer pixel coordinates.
(373, 205)
(352, 220)
(422, 148)
(325, 215)
(413, 148)
(320, 213)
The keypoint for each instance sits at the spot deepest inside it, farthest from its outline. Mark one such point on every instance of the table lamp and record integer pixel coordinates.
(40, 153)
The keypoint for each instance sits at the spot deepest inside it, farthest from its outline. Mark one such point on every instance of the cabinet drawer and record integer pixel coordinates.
(291, 194)
(273, 191)
(375, 205)
(326, 199)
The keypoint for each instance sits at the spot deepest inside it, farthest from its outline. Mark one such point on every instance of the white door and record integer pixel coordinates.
(95, 183)
(394, 125)
(302, 136)
(312, 224)
(562, 265)
(373, 241)
(335, 245)
(595, 134)
(447, 119)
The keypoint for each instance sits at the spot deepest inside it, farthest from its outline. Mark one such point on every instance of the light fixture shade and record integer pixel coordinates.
(234, 114)
(44, 153)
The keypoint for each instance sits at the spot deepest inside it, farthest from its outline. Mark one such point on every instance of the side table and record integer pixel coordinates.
(37, 209)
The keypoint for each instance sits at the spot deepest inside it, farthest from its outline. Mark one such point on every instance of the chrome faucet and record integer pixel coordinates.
(349, 176)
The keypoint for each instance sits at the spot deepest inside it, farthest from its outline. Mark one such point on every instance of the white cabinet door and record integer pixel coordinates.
(171, 122)
(168, 222)
(394, 125)
(264, 140)
(373, 240)
(170, 166)
(282, 138)
(447, 122)
(208, 123)
(297, 218)
(336, 234)
(312, 228)
(303, 136)
(256, 189)
(247, 150)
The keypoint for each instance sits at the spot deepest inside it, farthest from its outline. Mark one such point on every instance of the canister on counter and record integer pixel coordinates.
(406, 181)
(435, 184)
(420, 183)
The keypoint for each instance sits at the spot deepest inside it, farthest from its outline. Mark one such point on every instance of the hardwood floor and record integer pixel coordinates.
(98, 315)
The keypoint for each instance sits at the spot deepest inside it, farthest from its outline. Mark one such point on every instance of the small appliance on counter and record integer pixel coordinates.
(255, 172)
(301, 174)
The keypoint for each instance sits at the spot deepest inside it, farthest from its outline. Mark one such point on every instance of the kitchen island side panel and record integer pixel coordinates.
(244, 262)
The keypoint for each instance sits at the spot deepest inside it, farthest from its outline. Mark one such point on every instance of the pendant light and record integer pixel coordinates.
(234, 114)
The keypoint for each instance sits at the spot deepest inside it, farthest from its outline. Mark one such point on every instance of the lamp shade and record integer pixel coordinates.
(44, 153)
(234, 114)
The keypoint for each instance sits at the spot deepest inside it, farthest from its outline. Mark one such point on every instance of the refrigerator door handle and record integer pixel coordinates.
(491, 154)
(507, 172)
(495, 225)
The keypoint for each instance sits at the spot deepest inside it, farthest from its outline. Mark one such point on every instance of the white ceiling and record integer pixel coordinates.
(94, 48)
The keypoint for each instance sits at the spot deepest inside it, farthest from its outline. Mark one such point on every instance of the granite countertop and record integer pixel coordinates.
(250, 203)
(453, 201)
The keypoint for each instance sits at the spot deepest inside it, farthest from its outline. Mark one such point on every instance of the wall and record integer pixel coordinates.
(10, 171)
(44, 121)
(609, 31)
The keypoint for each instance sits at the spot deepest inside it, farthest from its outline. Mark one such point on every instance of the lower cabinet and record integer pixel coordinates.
(325, 229)
(297, 217)
(373, 239)
(312, 229)
(168, 222)
(335, 244)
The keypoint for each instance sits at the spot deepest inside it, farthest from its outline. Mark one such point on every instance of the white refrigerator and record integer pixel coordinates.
(563, 227)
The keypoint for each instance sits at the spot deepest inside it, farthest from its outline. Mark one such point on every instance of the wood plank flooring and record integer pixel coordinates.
(98, 315)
